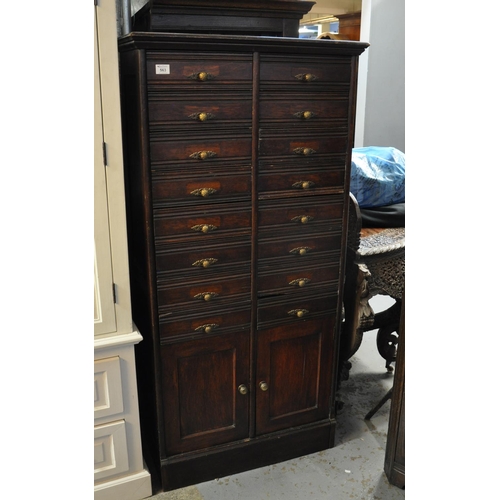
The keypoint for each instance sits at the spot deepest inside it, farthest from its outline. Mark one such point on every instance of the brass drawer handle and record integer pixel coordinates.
(298, 313)
(242, 389)
(304, 115)
(202, 155)
(204, 228)
(201, 76)
(263, 386)
(300, 250)
(204, 262)
(206, 296)
(303, 219)
(207, 328)
(205, 192)
(304, 151)
(306, 77)
(303, 184)
(202, 117)
(300, 282)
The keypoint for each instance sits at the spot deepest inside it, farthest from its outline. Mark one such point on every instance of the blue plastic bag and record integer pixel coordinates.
(377, 176)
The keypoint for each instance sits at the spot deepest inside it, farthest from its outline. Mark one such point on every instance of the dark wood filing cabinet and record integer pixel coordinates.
(237, 153)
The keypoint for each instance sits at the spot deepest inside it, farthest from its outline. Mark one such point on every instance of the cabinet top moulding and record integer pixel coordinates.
(239, 43)
(271, 17)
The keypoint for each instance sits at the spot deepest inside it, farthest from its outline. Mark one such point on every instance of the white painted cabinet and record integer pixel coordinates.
(119, 471)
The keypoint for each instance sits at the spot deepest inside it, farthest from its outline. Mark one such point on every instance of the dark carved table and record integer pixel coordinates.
(375, 266)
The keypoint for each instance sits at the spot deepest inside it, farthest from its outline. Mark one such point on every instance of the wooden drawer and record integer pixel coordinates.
(312, 72)
(199, 70)
(294, 309)
(206, 187)
(300, 216)
(296, 249)
(207, 291)
(305, 111)
(198, 260)
(298, 280)
(310, 181)
(308, 145)
(202, 222)
(201, 150)
(199, 113)
(188, 322)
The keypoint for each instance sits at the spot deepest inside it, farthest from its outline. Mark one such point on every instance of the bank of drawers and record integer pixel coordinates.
(201, 156)
(303, 138)
(200, 117)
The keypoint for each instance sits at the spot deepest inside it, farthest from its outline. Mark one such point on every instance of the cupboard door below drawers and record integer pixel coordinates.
(293, 379)
(206, 381)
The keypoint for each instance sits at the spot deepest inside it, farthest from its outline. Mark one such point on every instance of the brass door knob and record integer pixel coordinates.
(263, 386)
(242, 389)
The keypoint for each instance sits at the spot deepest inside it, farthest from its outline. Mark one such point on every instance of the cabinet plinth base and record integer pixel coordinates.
(193, 468)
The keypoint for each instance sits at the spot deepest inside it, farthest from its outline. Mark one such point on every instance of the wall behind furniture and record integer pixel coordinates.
(380, 119)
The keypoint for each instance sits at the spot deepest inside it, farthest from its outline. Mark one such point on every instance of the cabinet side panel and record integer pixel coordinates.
(140, 245)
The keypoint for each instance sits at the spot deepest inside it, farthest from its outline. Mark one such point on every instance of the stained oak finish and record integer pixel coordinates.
(237, 154)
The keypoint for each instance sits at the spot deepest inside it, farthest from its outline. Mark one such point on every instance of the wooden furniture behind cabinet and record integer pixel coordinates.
(237, 160)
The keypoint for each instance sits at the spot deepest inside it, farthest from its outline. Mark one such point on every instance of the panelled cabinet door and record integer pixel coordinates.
(104, 310)
(206, 391)
(293, 380)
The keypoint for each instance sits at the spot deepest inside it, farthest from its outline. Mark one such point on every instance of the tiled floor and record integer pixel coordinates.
(352, 469)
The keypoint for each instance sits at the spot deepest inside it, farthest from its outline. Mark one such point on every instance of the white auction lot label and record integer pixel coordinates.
(163, 69)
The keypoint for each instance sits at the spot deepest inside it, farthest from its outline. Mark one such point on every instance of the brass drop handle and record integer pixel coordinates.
(208, 328)
(263, 386)
(202, 155)
(303, 219)
(306, 77)
(299, 313)
(304, 151)
(300, 282)
(303, 184)
(300, 250)
(242, 389)
(204, 262)
(304, 115)
(206, 296)
(205, 193)
(201, 76)
(204, 228)
(202, 116)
